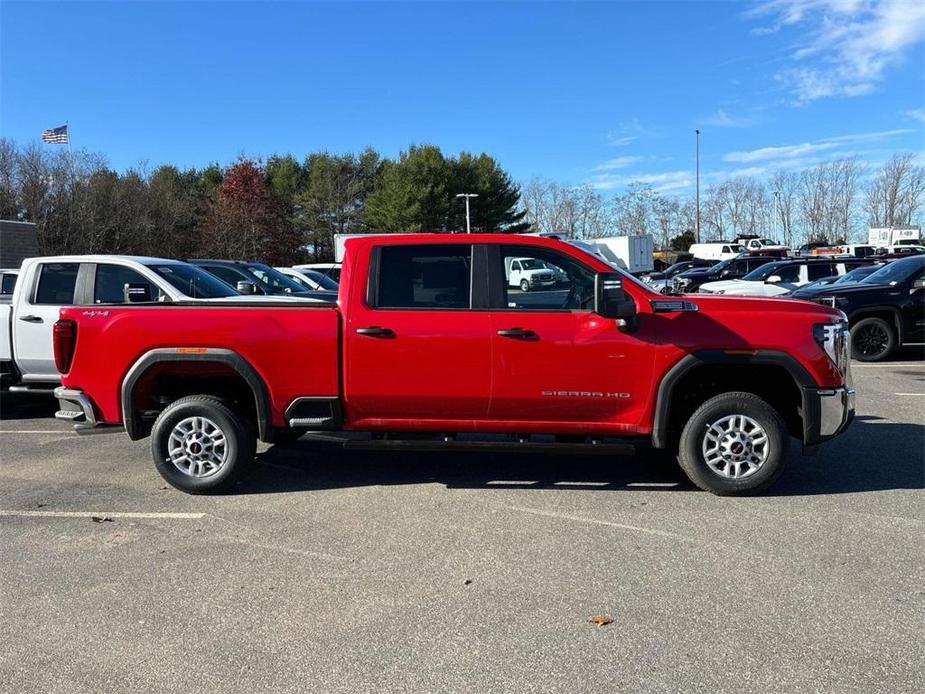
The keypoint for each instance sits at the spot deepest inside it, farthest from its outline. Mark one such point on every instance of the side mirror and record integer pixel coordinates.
(136, 293)
(246, 288)
(773, 279)
(612, 301)
(919, 283)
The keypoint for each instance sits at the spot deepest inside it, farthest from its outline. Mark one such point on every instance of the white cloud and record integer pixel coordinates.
(617, 163)
(722, 119)
(804, 148)
(916, 114)
(620, 141)
(628, 132)
(664, 181)
(845, 46)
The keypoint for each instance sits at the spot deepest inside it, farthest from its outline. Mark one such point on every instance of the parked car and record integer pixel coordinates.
(859, 250)
(258, 278)
(528, 273)
(725, 383)
(885, 310)
(778, 278)
(332, 270)
(690, 281)
(717, 250)
(92, 282)
(816, 248)
(310, 280)
(761, 245)
(7, 284)
(661, 281)
(855, 275)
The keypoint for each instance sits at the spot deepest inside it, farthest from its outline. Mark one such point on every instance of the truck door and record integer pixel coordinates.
(417, 345)
(34, 316)
(556, 365)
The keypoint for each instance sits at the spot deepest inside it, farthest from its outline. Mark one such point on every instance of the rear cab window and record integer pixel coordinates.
(109, 285)
(423, 276)
(56, 284)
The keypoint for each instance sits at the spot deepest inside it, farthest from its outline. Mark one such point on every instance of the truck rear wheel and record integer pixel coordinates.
(734, 443)
(200, 445)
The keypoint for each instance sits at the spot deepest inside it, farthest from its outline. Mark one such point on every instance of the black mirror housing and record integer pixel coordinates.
(610, 299)
(136, 293)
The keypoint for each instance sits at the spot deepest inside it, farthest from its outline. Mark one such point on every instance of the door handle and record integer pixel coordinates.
(376, 331)
(32, 319)
(519, 334)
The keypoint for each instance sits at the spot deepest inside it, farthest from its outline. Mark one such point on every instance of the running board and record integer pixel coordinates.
(493, 446)
(44, 390)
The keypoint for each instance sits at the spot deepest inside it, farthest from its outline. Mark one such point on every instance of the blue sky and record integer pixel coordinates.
(600, 93)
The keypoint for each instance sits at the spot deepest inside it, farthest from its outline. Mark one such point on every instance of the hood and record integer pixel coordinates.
(843, 289)
(719, 303)
(725, 285)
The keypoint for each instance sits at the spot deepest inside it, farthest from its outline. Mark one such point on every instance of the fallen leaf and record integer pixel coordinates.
(101, 519)
(600, 619)
(467, 581)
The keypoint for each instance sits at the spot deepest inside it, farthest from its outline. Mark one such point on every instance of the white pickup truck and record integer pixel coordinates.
(45, 285)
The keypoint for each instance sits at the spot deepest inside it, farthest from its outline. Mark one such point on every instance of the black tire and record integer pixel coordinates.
(237, 451)
(524, 285)
(691, 446)
(872, 339)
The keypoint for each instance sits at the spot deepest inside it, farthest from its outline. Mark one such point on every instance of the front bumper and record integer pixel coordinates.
(827, 412)
(74, 406)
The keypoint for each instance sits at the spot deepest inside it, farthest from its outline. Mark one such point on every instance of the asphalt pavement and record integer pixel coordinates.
(328, 571)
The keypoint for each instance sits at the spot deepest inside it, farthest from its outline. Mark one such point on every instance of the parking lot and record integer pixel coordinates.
(328, 571)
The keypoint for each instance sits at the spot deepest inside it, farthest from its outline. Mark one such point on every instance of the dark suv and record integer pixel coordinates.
(886, 309)
(263, 279)
(731, 269)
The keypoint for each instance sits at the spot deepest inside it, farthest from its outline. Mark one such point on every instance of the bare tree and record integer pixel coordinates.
(784, 187)
(896, 193)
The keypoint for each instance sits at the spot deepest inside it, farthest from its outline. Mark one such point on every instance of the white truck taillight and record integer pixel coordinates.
(65, 337)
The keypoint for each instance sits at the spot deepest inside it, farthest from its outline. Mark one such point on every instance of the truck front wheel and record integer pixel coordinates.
(734, 443)
(200, 445)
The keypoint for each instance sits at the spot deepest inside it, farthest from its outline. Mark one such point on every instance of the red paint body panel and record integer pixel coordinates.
(448, 370)
(294, 350)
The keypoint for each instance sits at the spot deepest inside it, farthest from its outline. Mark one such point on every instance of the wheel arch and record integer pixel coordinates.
(891, 313)
(179, 355)
(666, 397)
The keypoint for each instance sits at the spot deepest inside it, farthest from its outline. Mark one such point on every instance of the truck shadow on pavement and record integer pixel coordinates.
(872, 456)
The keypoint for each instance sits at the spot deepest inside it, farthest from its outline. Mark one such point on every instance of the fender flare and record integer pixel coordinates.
(866, 311)
(173, 355)
(765, 357)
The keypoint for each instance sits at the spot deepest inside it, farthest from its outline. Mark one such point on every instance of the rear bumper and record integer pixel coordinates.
(827, 412)
(74, 406)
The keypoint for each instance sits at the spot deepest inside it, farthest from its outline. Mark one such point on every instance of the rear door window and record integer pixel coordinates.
(789, 273)
(424, 276)
(109, 287)
(816, 271)
(56, 284)
(9, 284)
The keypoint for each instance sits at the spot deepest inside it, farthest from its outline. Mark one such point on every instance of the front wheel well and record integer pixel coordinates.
(771, 382)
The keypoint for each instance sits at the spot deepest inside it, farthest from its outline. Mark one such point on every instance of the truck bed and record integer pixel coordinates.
(293, 348)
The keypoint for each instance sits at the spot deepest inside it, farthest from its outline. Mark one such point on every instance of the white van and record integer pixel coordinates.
(716, 251)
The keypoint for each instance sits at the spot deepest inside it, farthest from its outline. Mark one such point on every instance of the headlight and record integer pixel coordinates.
(835, 341)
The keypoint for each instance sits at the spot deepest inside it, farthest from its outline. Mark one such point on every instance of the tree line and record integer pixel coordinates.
(835, 201)
(279, 211)
(283, 210)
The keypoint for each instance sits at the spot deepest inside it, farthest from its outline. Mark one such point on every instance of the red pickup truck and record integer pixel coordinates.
(431, 343)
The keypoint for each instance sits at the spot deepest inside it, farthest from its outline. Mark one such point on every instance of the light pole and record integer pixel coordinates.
(467, 196)
(698, 187)
(779, 211)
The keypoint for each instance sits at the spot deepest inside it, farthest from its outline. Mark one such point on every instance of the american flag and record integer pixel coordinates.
(55, 136)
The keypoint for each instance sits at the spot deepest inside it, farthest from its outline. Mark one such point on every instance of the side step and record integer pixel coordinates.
(497, 446)
(44, 389)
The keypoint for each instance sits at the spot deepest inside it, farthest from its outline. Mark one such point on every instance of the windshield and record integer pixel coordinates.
(532, 264)
(193, 282)
(321, 280)
(857, 274)
(768, 242)
(897, 271)
(736, 248)
(274, 278)
(763, 272)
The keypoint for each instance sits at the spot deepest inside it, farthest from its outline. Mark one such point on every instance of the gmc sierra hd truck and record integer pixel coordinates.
(428, 346)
